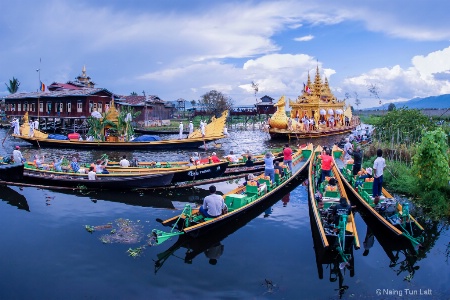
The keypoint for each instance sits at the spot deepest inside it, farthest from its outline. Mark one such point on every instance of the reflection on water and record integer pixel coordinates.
(13, 198)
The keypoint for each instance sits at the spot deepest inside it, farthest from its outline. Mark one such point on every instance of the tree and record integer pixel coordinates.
(255, 87)
(374, 91)
(357, 100)
(214, 103)
(133, 94)
(431, 161)
(13, 86)
(391, 107)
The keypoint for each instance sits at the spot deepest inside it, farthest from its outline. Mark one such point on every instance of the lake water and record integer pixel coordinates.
(47, 253)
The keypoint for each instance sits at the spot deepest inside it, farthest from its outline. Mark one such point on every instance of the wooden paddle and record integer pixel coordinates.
(7, 133)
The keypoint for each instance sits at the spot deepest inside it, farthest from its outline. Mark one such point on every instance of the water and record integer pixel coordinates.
(48, 254)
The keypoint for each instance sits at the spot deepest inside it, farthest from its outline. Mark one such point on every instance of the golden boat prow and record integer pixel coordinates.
(213, 132)
(317, 103)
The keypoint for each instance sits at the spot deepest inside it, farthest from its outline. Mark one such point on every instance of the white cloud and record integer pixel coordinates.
(304, 38)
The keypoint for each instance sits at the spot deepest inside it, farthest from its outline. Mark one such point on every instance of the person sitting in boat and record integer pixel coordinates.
(249, 162)
(279, 168)
(250, 178)
(100, 166)
(332, 185)
(57, 163)
(74, 165)
(124, 163)
(92, 175)
(196, 157)
(343, 208)
(213, 205)
(232, 157)
(39, 162)
(368, 174)
(214, 158)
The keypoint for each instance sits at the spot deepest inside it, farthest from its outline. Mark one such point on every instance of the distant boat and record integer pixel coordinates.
(213, 132)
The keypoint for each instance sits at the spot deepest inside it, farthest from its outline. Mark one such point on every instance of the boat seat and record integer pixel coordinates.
(235, 201)
(331, 194)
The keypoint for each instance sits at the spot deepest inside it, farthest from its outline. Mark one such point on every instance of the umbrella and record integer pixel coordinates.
(339, 111)
(330, 112)
(323, 112)
(96, 115)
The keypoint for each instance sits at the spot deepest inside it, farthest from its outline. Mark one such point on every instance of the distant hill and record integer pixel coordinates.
(442, 101)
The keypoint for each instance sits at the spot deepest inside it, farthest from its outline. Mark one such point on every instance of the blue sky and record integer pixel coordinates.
(184, 49)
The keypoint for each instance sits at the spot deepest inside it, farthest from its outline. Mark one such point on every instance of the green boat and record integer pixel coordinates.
(390, 213)
(239, 202)
(338, 238)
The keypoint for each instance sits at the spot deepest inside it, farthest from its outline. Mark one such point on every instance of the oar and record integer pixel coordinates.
(7, 133)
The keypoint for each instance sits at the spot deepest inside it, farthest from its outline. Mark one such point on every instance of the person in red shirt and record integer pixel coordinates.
(287, 153)
(327, 164)
(214, 158)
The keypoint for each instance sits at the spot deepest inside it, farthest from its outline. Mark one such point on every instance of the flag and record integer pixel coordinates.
(304, 87)
(42, 88)
(307, 90)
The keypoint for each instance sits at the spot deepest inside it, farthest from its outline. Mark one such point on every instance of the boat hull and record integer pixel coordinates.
(157, 145)
(103, 182)
(11, 172)
(201, 173)
(286, 134)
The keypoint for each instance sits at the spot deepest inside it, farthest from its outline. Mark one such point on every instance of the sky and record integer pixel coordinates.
(184, 49)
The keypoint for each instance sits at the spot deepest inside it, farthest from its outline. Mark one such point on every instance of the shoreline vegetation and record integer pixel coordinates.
(416, 149)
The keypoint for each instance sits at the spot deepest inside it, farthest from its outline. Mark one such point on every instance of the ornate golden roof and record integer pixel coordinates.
(215, 128)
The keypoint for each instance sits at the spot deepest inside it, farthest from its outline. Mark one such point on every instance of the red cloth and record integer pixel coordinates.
(287, 153)
(326, 162)
(215, 159)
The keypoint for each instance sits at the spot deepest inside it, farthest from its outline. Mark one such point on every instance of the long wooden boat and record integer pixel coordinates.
(11, 171)
(118, 180)
(182, 172)
(213, 240)
(390, 213)
(213, 132)
(341, 238)
(239, 201)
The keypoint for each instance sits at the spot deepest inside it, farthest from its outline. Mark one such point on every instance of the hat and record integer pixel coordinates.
(214, 153)
(17, 147)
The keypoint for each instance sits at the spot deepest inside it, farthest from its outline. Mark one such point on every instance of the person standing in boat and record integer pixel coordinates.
(124, 163)
(15, 124)
(269, 169)
(357, 159)
(348, 146)
(17, 156)
(327, 164)
(287, 156)
(181, 130)
(31, 125)
(202, 127)
(191, 128)
(36, 124)
(378, 167)
(213, 205)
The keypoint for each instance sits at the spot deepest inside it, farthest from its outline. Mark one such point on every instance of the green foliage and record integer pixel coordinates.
(402, 125)
(123, 126)
(399, 178)
(13, 86)
(431, 161)
(436, 202)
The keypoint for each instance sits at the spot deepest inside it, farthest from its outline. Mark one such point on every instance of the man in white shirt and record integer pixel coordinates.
(213, 205)
(202, 127)
(233, 157)
(92, 175)
(191, 128)
(124, 163)
(181, 130)
(378, 167)
(36, 124)
(17, 155)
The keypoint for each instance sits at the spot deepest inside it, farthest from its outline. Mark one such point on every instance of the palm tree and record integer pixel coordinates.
(13, 86)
